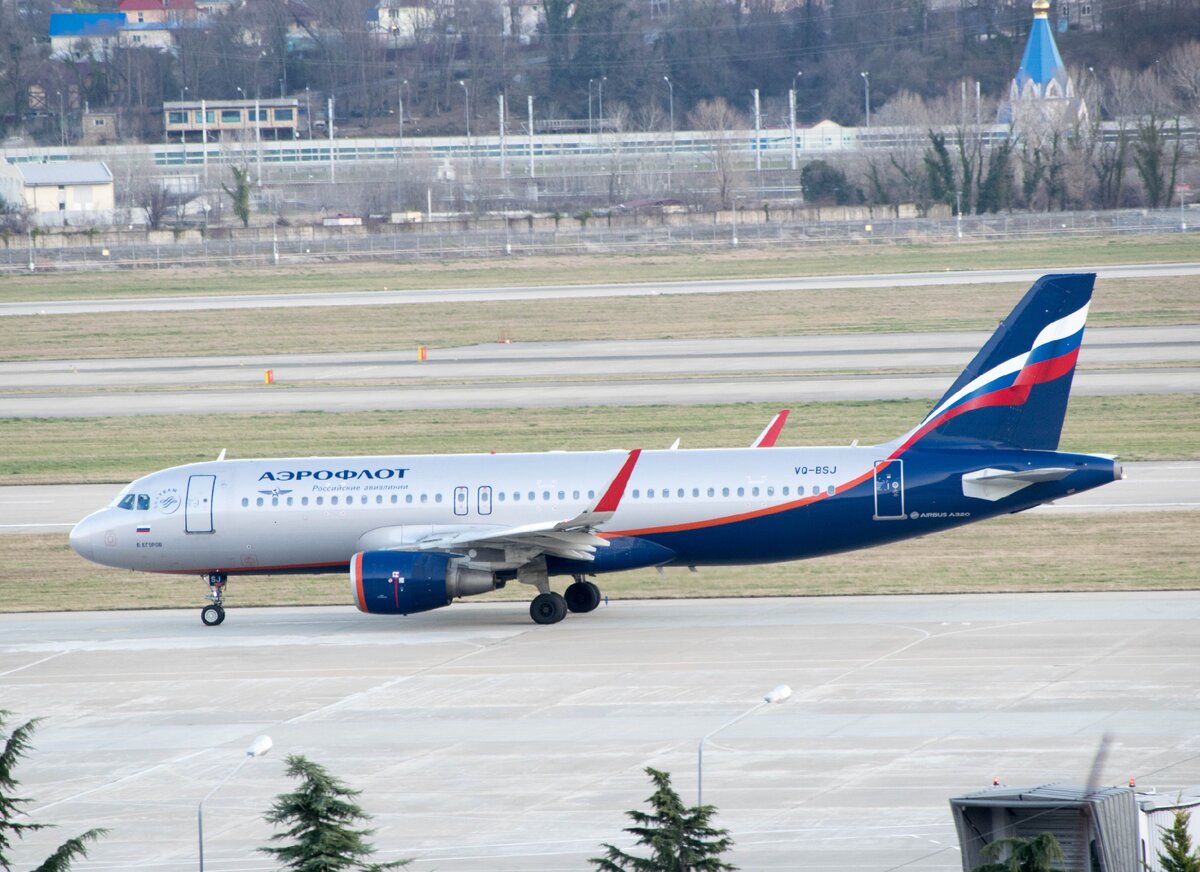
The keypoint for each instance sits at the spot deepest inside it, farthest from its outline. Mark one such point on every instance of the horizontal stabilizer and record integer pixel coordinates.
(996, 484)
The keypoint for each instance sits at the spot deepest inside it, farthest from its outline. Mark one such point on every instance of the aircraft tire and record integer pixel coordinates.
(548, 608)
(582, 597)
(211, 616)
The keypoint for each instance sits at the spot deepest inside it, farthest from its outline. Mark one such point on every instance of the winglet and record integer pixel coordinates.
(616, 489)
(766, 439)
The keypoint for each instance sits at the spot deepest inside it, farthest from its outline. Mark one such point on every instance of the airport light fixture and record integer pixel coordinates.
(777, 694)
(867, 96)
(258, 748)
(467, 97)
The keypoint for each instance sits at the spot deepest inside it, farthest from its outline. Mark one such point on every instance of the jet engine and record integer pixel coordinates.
(404, 582)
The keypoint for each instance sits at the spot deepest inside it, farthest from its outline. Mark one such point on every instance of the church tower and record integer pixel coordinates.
(1042, 95)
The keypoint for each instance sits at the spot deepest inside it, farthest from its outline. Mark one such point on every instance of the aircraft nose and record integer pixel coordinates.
(84, 535)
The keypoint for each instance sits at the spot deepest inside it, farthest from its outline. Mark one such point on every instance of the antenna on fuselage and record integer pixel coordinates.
(221, 456)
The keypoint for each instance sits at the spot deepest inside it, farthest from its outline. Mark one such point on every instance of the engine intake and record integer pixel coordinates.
(405, 582)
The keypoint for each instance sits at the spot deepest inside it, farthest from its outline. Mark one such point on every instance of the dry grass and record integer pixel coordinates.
(388, 328)
(1027, 552)
(54, 450)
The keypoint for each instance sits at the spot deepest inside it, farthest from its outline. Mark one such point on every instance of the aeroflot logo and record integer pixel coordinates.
(327, 474)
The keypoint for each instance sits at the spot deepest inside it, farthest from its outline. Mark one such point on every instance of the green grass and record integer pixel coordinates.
(1027, 552)
(746, 263)
(56, 450)
(400, 328)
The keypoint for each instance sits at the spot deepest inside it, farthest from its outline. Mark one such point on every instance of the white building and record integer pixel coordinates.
(76, 193)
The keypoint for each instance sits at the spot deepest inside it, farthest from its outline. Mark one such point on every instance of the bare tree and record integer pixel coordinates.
(719, 119)
(154, 199)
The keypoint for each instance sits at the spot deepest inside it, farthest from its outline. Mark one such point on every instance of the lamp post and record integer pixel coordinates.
(62, 120)
(792, 111)
(958, 213)
(778, 694)
(671, 115)
(867, 96)
(467, 101)
(400, 90)
(600, 102)
(590, 105)
(258, 748)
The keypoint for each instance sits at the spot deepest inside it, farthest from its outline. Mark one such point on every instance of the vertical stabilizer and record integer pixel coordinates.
(1015, 391)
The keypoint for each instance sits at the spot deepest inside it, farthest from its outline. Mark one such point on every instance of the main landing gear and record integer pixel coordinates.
(213, 614)
(549, 607)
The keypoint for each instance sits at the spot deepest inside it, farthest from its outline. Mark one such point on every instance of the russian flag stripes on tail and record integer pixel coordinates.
(1015, 391)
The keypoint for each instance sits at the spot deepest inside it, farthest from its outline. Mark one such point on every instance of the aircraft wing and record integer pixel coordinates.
(767, 438)
(572, 538)
(996, 484)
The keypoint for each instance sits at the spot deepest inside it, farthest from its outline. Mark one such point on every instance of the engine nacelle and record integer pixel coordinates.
(404, 582)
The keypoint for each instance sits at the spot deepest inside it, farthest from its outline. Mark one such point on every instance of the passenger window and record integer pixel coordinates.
(333, 501)
(143, 502)
(437, 498)
(516, 496)
(695, 492)
(636, 494)
(274, 501)
(424, 498)
(800, 490)
(724, 491)
(754, 492)
(575, 495)
(786, 490)
(650, 493)
(245, 502)
(320, 501)
(679, 493)
(395, 499)
(408, 498)
(546, 495)
(712, 492)
(500, 496)
(591, 495)
(532, 496)
(304, 501)
(259, 501)
(562, 495)
(741, 492)
(829, 490)
(289, 501)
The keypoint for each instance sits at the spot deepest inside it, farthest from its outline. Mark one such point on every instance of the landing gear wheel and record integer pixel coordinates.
(548, 608)
(582, 596)
(212, 615)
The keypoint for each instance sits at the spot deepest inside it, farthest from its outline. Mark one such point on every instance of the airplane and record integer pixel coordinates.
(416, 532)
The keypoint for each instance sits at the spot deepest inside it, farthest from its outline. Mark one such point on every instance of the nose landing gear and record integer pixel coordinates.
(213, 614)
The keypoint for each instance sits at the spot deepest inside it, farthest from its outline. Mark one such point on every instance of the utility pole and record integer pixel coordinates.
(332, 154)
(503, 156)
(531, 136)
(757, 141)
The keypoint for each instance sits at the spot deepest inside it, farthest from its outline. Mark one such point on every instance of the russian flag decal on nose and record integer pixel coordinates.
(143, 529)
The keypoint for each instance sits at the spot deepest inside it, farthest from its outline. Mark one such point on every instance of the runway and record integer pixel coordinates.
(384, 297)
(1114, 360)
(482, 741)
(1169, 486)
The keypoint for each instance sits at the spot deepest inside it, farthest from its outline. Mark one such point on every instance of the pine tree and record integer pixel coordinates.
(16, 746)
(680, 839)
(240, 193)
(321, 817)
(1177, 854)
(1026, 854)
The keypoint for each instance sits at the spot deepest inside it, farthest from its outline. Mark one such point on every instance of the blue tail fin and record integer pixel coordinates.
(1015, 391)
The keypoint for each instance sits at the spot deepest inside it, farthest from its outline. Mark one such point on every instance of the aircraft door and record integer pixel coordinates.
(485, 500)
(889, 490)
(198, 511)
(460, 500)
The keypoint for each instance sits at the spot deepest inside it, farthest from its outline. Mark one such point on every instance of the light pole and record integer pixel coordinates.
(867, 96)
(308, 109)
(400, 90)
(600, 103)
(958, 213)
(792, 111)
(258, 748)
(671, 114)
(778, 694)
(62, 120)
(590, 105)
(467, 100)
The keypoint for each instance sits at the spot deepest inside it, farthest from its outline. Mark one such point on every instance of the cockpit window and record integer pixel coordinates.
(129, 501)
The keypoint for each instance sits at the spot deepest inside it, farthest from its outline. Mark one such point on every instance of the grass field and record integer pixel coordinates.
(61, 450)
(521, 272)
(1027, 552)
(403, 327)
